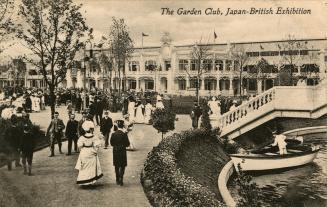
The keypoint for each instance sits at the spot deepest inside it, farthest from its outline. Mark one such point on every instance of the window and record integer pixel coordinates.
(132, 84)
(149, 85)
(289, 52)
(228, 65)
(210, 84)
(252, 84)
(194, 83)
(194, 64)
(207, 65)
(182, 84)
(183, 65)
(269, 53)
(253, 54)
(150, 65)
(219, 65)
(134, 66)
(167, 65)
(236, 65)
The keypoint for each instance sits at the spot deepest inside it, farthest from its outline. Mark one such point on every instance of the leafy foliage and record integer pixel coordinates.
(6, 24)
(53, 32)
(205, 120)
(163, 120)
(120, 44)
(248, 190)
(166, 184)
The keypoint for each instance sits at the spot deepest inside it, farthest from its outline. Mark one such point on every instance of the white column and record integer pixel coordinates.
(224, 65)
(187, 82)
(69, 79)
(79, 77)
(218, 87)
(202, 84)
(259, 85)
(137, 84)
(231, 89)
(322, 65)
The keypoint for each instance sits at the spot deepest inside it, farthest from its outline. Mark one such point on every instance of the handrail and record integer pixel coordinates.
(244, 109)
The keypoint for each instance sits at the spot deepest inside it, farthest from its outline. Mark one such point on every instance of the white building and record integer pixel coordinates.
(163, 68)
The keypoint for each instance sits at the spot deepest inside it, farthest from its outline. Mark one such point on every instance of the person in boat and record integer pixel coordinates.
(280, 141)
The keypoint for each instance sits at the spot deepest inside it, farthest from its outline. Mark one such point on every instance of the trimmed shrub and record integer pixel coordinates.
(205, 120)
(163, 120)
(164, 182)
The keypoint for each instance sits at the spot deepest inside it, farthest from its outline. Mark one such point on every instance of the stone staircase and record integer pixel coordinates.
(280, 101)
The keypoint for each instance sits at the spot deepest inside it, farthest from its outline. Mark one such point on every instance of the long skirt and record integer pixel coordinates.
(89, 167)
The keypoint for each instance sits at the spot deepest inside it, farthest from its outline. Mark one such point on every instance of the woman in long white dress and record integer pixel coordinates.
(37, 106)
(147, 112)
(33, 102)
(139, 116)
(131, 109)
(214, 107)
(88, 162)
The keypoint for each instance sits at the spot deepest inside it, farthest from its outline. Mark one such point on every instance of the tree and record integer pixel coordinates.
(6, 24)
(205, 119)
(106, 63)
(163, 120)
(121, 45)
(19, 70)
(52, 31)
(241, 58)
(199, 55)
(290, 51)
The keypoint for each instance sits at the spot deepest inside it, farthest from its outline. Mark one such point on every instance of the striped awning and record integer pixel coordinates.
(146, 78)
(180, 78)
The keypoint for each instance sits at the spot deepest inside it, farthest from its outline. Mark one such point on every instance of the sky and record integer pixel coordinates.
(146, 16)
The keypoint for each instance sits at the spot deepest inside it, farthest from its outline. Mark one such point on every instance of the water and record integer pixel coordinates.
(304, 186)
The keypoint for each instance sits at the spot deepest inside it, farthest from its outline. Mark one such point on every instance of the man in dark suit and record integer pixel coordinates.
(80, 129)
(55, 132)
(119, 141)
(195, 115)
(72, 133)
(98, 110)
(105, 128)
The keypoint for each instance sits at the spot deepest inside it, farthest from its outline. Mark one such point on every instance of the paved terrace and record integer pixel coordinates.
(53, 183)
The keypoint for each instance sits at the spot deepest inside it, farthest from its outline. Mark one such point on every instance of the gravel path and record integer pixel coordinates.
(53, 183)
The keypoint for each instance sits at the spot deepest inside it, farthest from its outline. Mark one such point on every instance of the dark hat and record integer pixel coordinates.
(120, 123)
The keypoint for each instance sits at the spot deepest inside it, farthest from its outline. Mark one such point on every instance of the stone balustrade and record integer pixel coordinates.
(280, 101)
(246, 108)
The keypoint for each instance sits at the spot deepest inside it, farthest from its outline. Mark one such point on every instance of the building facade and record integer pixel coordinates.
(171, 69)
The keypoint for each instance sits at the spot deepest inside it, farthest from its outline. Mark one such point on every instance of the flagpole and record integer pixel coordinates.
(142, 43)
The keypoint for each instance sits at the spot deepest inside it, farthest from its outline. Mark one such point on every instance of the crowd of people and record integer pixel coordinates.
(95, 106)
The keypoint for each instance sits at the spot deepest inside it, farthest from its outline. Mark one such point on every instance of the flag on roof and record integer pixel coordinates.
(144, 35)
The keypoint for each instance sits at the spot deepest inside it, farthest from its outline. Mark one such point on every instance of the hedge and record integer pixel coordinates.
(40, 139)
(164, 182)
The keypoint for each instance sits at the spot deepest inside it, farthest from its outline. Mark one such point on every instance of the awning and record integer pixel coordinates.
(180, 78)
(145, 78)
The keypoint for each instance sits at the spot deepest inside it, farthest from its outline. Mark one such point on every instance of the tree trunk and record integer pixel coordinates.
(52, 101)
(241, 82)
(198, 85)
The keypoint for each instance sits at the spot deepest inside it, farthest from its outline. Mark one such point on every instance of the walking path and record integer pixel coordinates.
(53, 183)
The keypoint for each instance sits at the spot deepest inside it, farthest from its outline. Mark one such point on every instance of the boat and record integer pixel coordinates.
(269, 158)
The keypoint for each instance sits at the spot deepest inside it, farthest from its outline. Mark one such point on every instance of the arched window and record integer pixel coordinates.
(150, 65)
(134, 66)
(183, 65)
